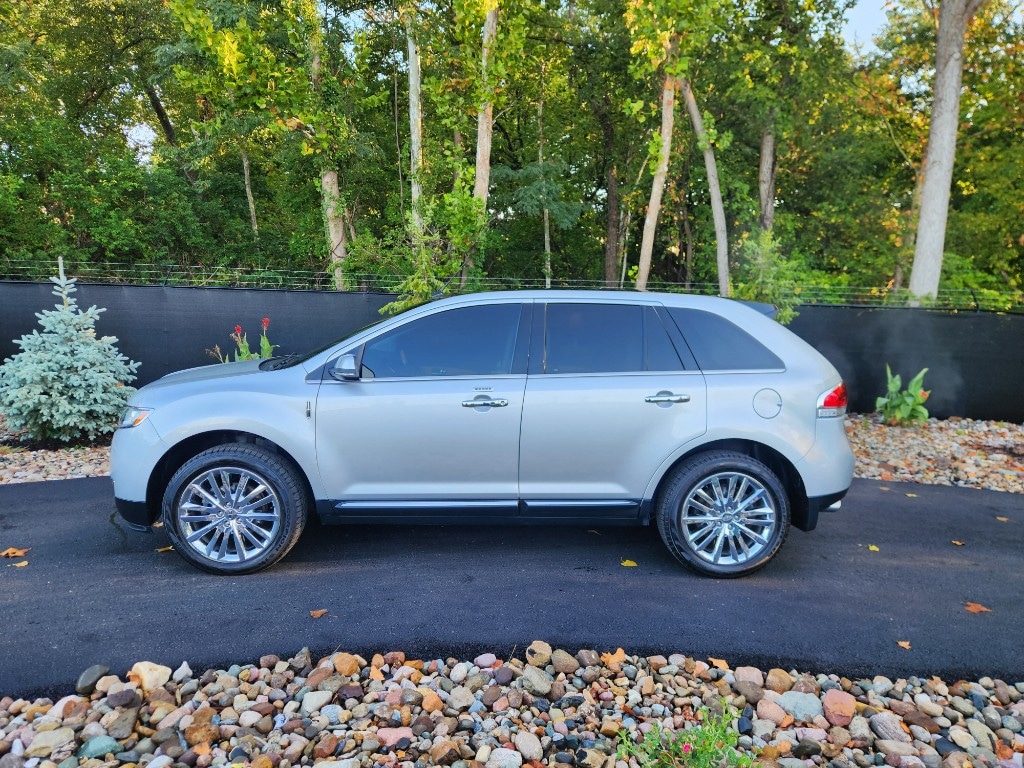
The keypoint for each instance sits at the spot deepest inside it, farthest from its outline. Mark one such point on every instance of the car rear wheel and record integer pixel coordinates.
(723, 514)
(234, 509)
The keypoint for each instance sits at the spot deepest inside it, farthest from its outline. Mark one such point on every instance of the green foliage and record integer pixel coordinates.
(766, 276)
(711, 744)
(67, 383)
(903, 406)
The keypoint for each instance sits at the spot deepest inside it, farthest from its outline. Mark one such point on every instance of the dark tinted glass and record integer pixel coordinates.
(719, 345)
(661, 355)
(468, 341)
(593, 338)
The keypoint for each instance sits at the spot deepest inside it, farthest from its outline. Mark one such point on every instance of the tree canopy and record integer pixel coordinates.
(257, 139)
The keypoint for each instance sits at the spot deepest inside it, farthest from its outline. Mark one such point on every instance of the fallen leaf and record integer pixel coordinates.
(872, 547)
(608, 659)
(14, 552)
(911, 495)
(903, 644)
(22, 564)
(977, 608)
(1002, 519)
(318, 613)
(628, 564)
(158, 524)
(168, 548)
(884, 488)
(957, 543)
(719, 663)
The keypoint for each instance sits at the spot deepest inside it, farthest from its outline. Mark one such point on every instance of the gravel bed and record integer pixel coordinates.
(963, 452)
(550, 708)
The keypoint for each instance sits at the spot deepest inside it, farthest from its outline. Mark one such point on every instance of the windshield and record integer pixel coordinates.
(287, 361)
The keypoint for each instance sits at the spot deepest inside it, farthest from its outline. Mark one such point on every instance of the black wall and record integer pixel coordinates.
(168, 329)
(975, 360)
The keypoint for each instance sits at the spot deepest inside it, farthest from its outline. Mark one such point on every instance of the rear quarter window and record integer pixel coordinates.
(721, 345)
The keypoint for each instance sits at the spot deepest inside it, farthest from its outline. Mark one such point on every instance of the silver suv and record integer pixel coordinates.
(590, 407)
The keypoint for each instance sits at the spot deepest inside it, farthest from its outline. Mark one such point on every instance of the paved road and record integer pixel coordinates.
(95, 591)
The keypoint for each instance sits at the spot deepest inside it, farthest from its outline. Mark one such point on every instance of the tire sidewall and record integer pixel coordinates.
(279, 475)
(694, 472)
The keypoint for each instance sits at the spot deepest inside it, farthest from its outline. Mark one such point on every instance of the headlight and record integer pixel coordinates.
(133, 416)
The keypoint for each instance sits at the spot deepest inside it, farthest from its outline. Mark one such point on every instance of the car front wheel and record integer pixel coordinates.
(234, 509)
(723, 514)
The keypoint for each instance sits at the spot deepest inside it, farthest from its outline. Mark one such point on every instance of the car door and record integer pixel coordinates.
(608, 399)
(431, 427)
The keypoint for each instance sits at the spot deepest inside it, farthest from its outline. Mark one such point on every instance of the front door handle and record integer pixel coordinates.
(484, 402)
(667, 397)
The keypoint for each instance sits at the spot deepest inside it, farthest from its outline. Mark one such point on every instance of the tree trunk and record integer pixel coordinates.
(941, 151)
(611, 234)
(766, 180)
(668, 109)
(248, 194)
(170, 135)
(415, 133)
(334, 219)
(547, 222)
(715, 190)
(484, 124)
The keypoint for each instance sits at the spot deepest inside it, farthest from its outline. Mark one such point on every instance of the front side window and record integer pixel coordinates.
(466, 341)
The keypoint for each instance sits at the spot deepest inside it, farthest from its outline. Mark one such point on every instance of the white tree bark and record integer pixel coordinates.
(941, 151)
(484, 122)
(415, 130)
(668, 110)
(714, 189)
(334, 219)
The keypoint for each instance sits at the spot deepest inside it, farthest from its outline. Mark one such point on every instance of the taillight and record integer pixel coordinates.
(833, 403)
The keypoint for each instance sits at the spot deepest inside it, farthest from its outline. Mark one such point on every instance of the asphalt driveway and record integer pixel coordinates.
(885, 569)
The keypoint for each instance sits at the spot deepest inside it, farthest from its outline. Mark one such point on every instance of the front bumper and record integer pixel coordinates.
(134, 455)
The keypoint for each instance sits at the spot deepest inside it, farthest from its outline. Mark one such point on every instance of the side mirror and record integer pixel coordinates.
(345, 368)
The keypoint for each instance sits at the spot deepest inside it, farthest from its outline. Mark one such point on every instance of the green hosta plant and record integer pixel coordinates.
(712, 744)
(67, 383)
(903, 406)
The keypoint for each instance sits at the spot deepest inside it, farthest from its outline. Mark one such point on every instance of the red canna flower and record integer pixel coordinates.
(238, 330)
(924, 395)
(266, 323)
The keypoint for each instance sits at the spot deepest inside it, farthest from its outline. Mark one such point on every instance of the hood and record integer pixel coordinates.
(205, 373)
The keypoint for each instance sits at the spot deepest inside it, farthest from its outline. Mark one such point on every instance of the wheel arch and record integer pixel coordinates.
(801, 515)
(184, 450)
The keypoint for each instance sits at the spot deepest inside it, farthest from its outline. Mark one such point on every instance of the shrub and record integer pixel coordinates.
(712, 744)
(67, 383)
(903, 406)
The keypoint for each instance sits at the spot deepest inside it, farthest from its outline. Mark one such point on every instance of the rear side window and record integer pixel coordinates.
(593, 338)
(720, 345)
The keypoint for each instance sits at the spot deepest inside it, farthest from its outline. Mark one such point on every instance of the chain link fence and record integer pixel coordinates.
(227, 276)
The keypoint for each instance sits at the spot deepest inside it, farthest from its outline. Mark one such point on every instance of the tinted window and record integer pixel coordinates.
(661, 354)
(593, 338)
(468, 341)
(719, 345)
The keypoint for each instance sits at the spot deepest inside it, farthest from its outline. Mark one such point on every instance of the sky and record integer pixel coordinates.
(865, 20)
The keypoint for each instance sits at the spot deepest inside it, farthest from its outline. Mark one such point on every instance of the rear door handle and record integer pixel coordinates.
(667, 397)
(485, 402)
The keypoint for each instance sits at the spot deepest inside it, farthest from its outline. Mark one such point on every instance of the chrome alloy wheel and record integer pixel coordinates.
(229, 514)
(728, 519)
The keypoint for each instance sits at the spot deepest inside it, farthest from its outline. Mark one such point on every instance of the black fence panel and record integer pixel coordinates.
(975, 360)
(168, 329)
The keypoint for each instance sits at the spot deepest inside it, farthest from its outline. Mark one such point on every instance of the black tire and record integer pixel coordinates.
(723, 514)
(223, 535)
